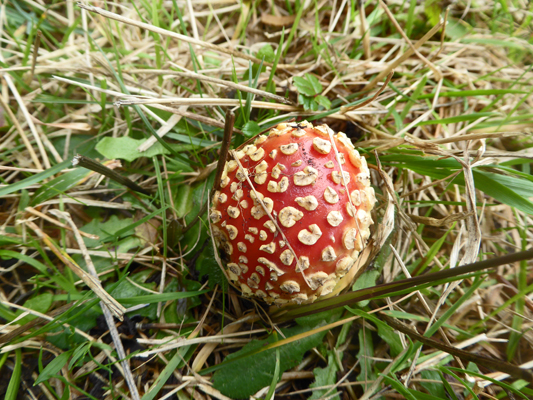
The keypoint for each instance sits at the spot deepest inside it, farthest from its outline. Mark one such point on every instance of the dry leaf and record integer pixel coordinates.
(278, 21)
(440, 221)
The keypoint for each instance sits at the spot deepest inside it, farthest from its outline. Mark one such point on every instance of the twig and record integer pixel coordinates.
(193, 116)
(202, 101)
(226, 141)
(384, 289)
(497, 365)
(89, 163)
(230, 84)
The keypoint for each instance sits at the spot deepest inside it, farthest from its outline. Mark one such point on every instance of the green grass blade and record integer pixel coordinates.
(32, 180)
(14, 381)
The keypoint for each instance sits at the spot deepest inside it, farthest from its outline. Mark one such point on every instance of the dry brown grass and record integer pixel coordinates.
(451, 192)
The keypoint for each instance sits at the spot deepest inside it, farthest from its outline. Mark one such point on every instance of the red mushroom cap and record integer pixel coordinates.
(290, 219)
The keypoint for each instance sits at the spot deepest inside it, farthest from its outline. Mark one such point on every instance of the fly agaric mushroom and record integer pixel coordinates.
(292, 213)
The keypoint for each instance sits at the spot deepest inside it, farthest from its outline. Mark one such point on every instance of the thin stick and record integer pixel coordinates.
(89, 163)
(396, 286)
(494, 364)
(193, 116)
(204, 101)
(442, 35)
(224, 149)
(238, 86)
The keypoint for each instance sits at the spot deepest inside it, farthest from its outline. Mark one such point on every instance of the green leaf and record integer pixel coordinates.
(384, 331)
(315, 83)
(307, 102)
(106, 229)
(212, 59)
(9, 254)
(433, 251)
(432, 10)
(266, 52)
(457, 29)
(76, 144)
(502, 192)
(177, 361)
(135, 227)
(366, 280)
(40, 303)
(323, 101)
(304, 86)
(125, 148)
(59, 185)
(199, 142)
(206, 264)
(24, 200)
(400, 388)
(522, 185)
(509, 387)
(53, 368)
(432, 383)
(364, 355)
(260, 367)
(251, 128)
(14, 381)
(275, 379)
(503, 188)
(8, 240)
(79, 353)
(325, 377)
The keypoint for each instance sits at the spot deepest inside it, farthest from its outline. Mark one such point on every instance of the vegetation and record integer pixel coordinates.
(110, 291)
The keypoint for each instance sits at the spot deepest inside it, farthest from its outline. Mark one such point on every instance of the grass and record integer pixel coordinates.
(107, 292)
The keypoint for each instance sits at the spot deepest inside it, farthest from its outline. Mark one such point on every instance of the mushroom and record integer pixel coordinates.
(293, 214)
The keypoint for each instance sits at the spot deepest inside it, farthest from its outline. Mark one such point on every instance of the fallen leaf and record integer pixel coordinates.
(278, 20)
(442, 221)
